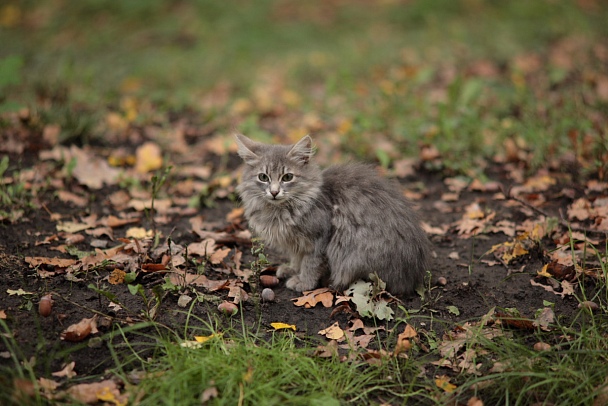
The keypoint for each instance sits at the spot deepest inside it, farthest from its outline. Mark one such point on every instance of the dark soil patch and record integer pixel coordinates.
(472, 286)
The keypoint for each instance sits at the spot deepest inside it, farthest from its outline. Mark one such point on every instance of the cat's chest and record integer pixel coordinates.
(279, 229)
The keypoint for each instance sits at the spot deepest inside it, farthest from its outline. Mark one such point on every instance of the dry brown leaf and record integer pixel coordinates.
(72, 239)
(209, 393)
(47, 240)
(202, 248)
(475, 401)
(113, 221)
(67, 371)
(92, 393)
(48, 386)
(356, 325)
(580, 210)
(403, 344)
(456, 185)
(219, 255)
(117, 276)
(429, 229)
(567, 288)
(327, 351)
(69, 197)
(363, 340)
(56, 262)
(312, 297)
(333, 332)
(81, 330)
(235, 215)
(160, 205)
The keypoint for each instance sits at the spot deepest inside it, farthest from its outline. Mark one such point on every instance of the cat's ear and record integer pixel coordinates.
(302, 151)
(246, 149)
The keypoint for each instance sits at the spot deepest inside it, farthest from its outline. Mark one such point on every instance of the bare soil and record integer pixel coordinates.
(472, 286)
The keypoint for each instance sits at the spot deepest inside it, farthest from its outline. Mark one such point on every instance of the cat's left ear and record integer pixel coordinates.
(302, 151)
(246, 148)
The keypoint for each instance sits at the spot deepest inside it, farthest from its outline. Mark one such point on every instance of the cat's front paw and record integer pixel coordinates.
(284, 271)
(295, 283)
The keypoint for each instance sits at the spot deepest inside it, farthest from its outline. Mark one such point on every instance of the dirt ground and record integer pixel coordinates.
(471, 286)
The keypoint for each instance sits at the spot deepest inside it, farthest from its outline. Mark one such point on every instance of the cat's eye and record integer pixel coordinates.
(263, 177)
(288, 177)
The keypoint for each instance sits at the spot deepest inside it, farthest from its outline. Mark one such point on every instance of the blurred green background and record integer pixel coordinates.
(458, 81)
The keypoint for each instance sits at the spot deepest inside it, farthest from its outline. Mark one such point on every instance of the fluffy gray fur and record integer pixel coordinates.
(345, 221)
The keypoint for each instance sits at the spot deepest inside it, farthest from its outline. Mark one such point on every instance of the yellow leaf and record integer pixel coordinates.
(543, 272)
(204, 339)
(139, 233)
(10, 16)
(283, 326)
(248, 376)
(130, 108)
(148, 158)
(116, 122)
(345, 126)
(107, 395)
(443, 382)
(333, 332)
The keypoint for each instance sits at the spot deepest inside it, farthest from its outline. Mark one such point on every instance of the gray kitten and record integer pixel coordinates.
(346, 220)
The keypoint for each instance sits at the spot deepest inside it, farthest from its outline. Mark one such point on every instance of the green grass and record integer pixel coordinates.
(408, 72)
(467, 77)
(281, 368)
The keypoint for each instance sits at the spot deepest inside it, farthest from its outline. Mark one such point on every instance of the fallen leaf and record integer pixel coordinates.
(283, 326)
(312, 297)
(91, 393)
(67, 371)
(235, 215)
(117, 276)
(148, 157)
(18, 292)
(139, 233)
(81, 330)
(327, 351)
(333, 332)
(203, 248)
(443, 382)
(48, 385)
(219, 255)
(204, 339)
(69, 197)
(403, 342)
(475, 401)
(209, 393)
(91, 170)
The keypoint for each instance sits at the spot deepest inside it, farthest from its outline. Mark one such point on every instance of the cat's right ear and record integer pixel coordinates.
(302, 151)
(246, 148)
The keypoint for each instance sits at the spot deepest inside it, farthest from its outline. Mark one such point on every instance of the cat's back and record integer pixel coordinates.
(356, 182)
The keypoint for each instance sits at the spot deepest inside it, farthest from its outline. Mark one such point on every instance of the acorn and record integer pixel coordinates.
(269, 281)
(268, 295)
(540, 346)
(228, 308)
(442, 281)
(45, 306)
(589, 305)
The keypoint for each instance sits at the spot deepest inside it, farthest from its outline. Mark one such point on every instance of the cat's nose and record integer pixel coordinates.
(274, 193)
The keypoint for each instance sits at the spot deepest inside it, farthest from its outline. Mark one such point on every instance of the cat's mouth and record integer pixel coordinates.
(275, 199)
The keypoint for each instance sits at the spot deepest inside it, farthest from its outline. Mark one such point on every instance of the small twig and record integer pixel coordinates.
(81, 306)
